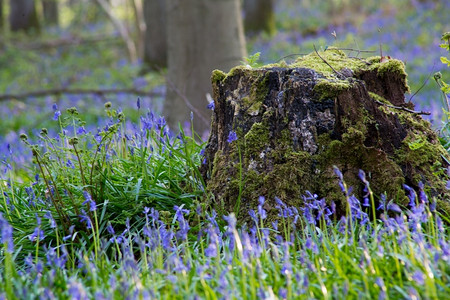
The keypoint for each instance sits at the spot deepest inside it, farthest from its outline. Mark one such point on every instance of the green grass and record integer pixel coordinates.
(91, 228)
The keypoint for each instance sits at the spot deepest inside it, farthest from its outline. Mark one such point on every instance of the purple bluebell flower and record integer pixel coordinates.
(138, 103)
(253, 216)
(6, 231)
(67, 237)
(81, 130)
(76, 290)
(261, 211)
(232, 136)
(57, 113)
(411, 195)
(49, 216)
(84, 218)
(394, 207)
(282, 293)
(70, 164)
(88, 200)
(418, 277)
(211, 105)
(161, 122)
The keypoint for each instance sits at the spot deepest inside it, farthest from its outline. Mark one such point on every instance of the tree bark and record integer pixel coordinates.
(293, 124)
(23, 16)
(1, 15)
(259, 16)
(155, 45)
(51, 13)
(203, 35)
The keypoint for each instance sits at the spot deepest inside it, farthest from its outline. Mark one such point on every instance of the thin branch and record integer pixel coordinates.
(403, 108)
(357, 50)
(423, 85)
(123, 31)
(66, 91)
(341, 76)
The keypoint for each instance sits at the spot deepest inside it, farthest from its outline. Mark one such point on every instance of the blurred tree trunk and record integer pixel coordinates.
(23, 16)
(259, 16)
(202, 35)
(139, 24)
(155, 48)
(1, 14)
(50, 9)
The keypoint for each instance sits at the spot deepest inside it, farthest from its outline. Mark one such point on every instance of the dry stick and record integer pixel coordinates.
(424, 83)
(403, 108)
(339, 74)
(357, 50)
(43, 93)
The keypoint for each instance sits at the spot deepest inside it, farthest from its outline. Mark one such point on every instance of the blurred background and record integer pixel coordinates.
(85, 53)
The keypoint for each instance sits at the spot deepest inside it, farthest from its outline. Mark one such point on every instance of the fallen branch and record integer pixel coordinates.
(340, 75)
(403, 108)
(63, 42)
(67, 91)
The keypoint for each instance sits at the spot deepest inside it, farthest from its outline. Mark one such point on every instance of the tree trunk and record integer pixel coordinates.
(1, 15)
(293, 124)
(23, 16)
(50, 9)
(259, 16)
(155, 47)
(203, 35)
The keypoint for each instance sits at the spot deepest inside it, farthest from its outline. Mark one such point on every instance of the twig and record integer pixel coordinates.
(43, 93)
(356, 50)
(403, 108)
(422, 86)
(339, 74)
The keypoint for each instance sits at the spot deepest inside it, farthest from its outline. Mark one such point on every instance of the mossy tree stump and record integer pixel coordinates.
(295, 122)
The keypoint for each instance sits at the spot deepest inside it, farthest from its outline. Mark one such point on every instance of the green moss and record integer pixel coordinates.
(422, 157)
(336, 58)
(378, 98)
(330, 89)
(256, 140)
(217, 76)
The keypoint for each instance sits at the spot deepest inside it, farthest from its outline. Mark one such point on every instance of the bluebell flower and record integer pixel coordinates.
(88, 200)
(232, 136)
(56, 115)
(81, 130)
(85, 219)
(6, 231)
(76, 290)
(394, 207)
(49, 216)
(411, 195)
(38, 234)
(282, 293)
(138, 103)
(70, 164)
(211, 105)
(161, 122)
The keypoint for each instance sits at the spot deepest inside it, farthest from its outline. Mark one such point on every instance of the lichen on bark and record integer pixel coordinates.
(296, 122)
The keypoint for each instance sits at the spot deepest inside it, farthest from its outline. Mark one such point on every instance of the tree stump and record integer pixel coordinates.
(294, 123)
